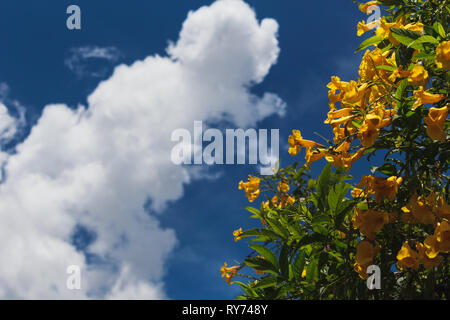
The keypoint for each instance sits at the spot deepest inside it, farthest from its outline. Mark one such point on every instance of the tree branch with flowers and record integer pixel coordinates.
(317, 237)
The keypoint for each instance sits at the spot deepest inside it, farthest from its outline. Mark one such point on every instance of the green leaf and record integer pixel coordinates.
(253, 210)
(357, 123)
(278, 228)
(266, 282)
(416, 44)
(311, 238)
(260, 232)
(369, 42)
(323, 218)
(266, 253)
(424, 56)
(299, 265)
(404, 36)
(295, 229)
(336, 195)
(261, 265)
(401, 90)
(439, 29)
(312, 272)
(319, 229)
(323, 185)
(388, 169)
(362, 206)
(369, 150)
(387, 68)
(248, 290)
(342, 211)
(283, 262)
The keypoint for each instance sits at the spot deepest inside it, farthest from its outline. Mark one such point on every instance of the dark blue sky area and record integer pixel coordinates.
(317, 40)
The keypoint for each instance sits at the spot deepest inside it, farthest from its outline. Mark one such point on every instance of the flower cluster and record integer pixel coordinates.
(381, 188)
(366, 106)
(398, 105)
(282, 199)
(427, 253)
(228, 272)
(251, 188)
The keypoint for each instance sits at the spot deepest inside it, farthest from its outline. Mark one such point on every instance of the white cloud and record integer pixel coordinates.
(8, 124)
(87, 60)
(98, 165)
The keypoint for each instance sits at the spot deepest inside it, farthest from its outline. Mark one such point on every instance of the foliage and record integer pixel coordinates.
(318, 237)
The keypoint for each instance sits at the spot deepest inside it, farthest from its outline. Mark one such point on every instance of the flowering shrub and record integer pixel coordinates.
(319, 236)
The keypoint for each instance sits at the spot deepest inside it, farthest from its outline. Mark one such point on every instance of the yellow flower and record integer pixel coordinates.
(443, 55)
(364, 6)
(361, 270)
(296, 141)
(294, 149)
(423, 97)
(281, 202)
(335, 84)
(431, 246)
(369, 62)
(418, 210)
(237, 234)
(385, 30)
(354, 93)
(442, 234)
(228, 273)
(357, 192)
(345, 112)
(251, 188)
(435, 123)
(362, 27)
(314, 155)
(365, 253)
(386, 188)
(283, 187)
(304, 273)
(428, 263)
(418, 75)
(407, 258)
(341, 133)
(342, 158)
(416, 27)
(382, 188)
(368, 132)
(370, 221)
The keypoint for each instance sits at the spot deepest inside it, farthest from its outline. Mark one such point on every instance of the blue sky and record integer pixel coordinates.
(317, 40)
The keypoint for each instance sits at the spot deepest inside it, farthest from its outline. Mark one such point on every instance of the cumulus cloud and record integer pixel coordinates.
(10, 125)
(92, 61)
(96, 167)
